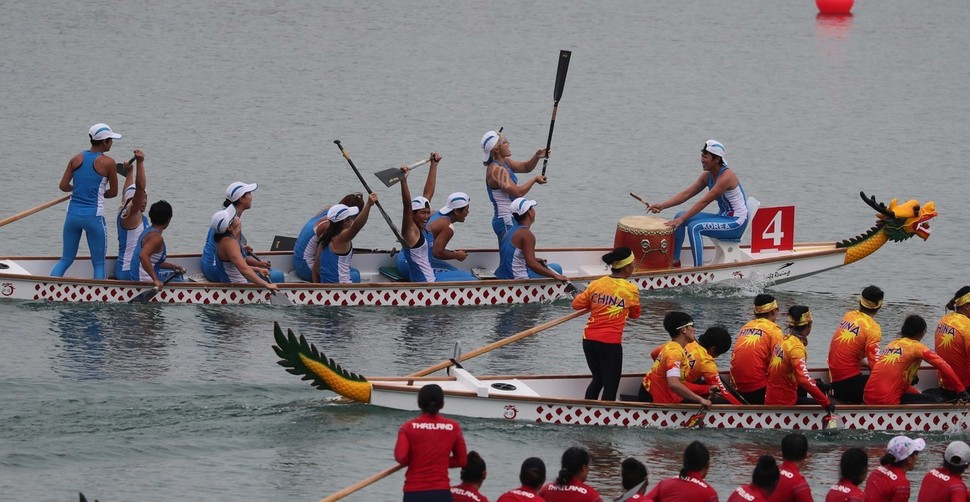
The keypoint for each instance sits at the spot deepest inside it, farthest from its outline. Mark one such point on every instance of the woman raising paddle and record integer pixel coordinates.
(306, 250)
(131, 220)
(611, 300)
(336, 248)
(501, 181)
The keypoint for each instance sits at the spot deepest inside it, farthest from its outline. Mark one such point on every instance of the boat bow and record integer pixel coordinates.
(302, 358)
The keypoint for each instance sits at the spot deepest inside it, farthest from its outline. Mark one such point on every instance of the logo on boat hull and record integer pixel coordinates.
(6, 289)
(511, 412)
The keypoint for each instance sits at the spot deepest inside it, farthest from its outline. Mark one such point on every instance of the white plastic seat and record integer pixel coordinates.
(729, 250)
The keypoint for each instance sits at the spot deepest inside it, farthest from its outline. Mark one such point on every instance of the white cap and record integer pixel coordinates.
(238, 189)
(958, 454)
(521, 205)
(129, 193)
(901, 447)
(489, 140)
(100, 131)
(714, 147)
(221, 219)
(340, 212)
(456, 200)
(418, 203)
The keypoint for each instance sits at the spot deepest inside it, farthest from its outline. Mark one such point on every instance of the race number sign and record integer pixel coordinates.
(773, 228)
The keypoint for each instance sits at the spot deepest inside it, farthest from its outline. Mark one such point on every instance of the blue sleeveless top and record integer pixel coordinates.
(127, 241)
(500, 199)
(87, 197)
(511, 261)
(135, 271)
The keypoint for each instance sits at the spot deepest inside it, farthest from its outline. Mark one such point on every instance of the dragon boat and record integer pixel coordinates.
(27, 278)
(559, 399)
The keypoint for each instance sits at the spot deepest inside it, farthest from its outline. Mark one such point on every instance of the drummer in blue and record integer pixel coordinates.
(723, 186)
(517, 253)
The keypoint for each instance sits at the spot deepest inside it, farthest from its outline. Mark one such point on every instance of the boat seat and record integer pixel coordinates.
(729, 250)
(391, 273)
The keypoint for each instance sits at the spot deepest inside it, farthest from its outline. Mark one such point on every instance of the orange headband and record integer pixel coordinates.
(870, 304)
(768, 307)
(804, 321)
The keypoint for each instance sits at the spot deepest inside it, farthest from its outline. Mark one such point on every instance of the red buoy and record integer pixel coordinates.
(834, 6)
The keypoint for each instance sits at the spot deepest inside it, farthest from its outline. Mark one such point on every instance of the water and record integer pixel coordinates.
(176, 402)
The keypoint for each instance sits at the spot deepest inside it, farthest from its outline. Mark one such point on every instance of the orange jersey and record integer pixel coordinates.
(953, 344)
(856, 338)
(610, 301)
(669, 364)
(896, 367)
(751, 354)
(700, 365)
(787, 371)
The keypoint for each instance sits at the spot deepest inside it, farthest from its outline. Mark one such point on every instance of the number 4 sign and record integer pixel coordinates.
(773, 228)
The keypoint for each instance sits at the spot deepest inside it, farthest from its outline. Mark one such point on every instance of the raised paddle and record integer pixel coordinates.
(122, 170)
(24, 214)
(362, 483)
(146, 295)
(505, 341)
(556, 94)
(391, 176)
(387, 218)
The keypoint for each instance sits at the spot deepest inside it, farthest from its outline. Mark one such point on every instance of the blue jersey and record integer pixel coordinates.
(306, 247)
(335, 268)
(419, 258)
(501, 200)
(127, 240)
(87, 197)
(511, 264)
(732, 202)
(137, 272)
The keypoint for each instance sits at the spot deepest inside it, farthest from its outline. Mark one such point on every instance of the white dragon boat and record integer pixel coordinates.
(559, 399)
(27, 278)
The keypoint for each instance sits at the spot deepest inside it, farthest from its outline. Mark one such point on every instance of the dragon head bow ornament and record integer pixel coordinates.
(895, 222)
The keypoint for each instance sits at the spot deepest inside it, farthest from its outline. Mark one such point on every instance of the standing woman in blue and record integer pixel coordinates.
(90, 177)
(724, 187)
(501, 181)
(305, 251)
(131, 220)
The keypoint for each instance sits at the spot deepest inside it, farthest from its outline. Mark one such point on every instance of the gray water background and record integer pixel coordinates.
(178, 402)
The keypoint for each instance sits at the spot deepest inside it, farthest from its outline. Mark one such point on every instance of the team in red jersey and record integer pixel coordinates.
(610, 300)
(855, 340)
(792, 486)
(664, 382)
(472, 476)
(532, 475)
(570, 485)
(429, 445)
(953, 336)
(888, 481)
(853, 467)
(945, 483)
(764, 479)
(890, 381)
(788, 371)
(753, 350)
(689, 485)
(634, 479)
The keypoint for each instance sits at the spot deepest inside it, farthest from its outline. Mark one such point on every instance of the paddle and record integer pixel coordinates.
(637, 197)
(276, 297)
(556, 94)
(391, 176)
(122, 170)
(696, 421)
(369, 191)
(148, 294)
(505, 341)
(24, 214)
(362, 483)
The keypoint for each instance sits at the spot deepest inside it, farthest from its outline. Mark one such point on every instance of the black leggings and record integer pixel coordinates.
(605, 361)
(849, 391)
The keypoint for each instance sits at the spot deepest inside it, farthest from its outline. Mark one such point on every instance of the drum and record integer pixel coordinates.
(650, 239)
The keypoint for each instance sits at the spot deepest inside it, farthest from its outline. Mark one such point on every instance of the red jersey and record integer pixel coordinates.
(429, 445)
(887, 483)
(792, 486)
(747, 493)
(521, 494)
(751, 354)
(953, 344)
(669, 364)
(466, 492)
(941, 485)
(787, 372)
(610, 301)
(856, 338)
(845, 491)
(896, 367)
(679, 489)
(575, 491)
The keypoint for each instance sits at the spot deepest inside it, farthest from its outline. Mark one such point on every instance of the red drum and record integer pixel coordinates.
(650, 239)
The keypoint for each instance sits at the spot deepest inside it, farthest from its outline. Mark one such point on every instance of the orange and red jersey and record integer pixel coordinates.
(751, 354)
(668, 364)
(700, 365)
(610, 302)
(792, 486)
(953, 344)
(856, 338)
(896, 367)
(787, 372)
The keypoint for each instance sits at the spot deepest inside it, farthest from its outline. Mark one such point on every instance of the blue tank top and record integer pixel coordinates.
(136, 273)
(419, 258)
(500, 199)
(87, 197)
(127, 241)
(511, 261)
(335, 268)
(732, 203)
(306, 235)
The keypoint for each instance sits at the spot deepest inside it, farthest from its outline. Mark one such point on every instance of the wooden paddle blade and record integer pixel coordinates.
(389, 176)
(561, 74)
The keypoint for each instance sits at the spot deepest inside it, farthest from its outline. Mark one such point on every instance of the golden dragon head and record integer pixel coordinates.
(902, 221)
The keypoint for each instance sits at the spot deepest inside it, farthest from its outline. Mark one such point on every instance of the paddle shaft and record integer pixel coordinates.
(24, 214)
(505, 341)
(391, 176)
(362, 483)
(387, 218)
(148, 294)
(556, 96)
(637, 197)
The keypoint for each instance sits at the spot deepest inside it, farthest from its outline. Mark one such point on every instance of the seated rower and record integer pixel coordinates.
(663, 384)
(517, 253)
(952, 338)
(753, 350)
(442, 227)
(149, 253)
(891, 379)
(131, 220)
(415, 261)
(305, 250)
(856, 340)
(702, 375)
(239, 195)
(723, 186)
(337, 243)
(788, 371)
(230, 254)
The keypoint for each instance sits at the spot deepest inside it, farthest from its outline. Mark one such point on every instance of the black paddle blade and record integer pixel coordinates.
(389, 176)
(561, 74)
(144, 296)
(122, 170)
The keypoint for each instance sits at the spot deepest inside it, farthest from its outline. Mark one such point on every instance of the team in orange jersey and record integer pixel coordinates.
(753, 350)
(787, 370)
(856, 339)
(953, 336)
(664, 382)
